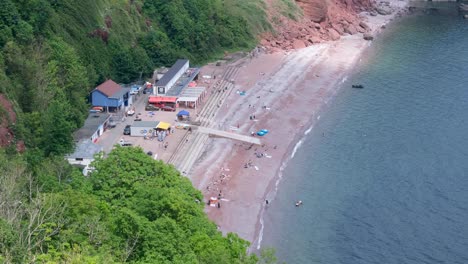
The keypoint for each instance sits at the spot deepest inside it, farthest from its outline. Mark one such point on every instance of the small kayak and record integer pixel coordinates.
(298, 203)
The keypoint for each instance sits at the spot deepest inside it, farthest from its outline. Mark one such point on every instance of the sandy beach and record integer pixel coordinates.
(284, 93)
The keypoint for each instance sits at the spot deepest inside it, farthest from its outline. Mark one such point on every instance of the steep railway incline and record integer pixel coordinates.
(187, 152)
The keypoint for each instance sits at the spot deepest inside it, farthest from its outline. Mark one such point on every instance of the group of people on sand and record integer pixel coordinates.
(248, 164)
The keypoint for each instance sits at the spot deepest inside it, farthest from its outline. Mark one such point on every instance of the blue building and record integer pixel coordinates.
(111, 96)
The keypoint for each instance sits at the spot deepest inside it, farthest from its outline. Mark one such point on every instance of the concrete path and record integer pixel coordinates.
(231, 135)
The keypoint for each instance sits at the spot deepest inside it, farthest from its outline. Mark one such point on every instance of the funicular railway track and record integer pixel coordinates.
(187, 153)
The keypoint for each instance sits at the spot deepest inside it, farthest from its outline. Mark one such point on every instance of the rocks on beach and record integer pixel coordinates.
(368, 36)
(322, 21)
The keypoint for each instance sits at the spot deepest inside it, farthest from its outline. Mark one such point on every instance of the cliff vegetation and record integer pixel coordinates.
(132, 208)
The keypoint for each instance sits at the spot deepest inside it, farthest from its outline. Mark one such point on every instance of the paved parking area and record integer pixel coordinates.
(113, 136)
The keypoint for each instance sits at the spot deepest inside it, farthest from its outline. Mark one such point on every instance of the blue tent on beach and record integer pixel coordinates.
(183, 113)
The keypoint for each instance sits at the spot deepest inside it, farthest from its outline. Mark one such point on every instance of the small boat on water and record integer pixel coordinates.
(298, 203)
(359, 86)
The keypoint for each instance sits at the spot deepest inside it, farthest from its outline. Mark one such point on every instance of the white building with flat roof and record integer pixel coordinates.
(170, 77)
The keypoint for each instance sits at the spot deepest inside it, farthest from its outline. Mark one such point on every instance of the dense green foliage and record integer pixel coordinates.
(53, 53)
(131, 209)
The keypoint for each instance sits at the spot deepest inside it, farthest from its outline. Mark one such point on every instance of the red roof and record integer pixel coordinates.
(162, 99)
(109, 88)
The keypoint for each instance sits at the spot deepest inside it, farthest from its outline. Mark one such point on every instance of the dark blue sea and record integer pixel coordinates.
(383, 175)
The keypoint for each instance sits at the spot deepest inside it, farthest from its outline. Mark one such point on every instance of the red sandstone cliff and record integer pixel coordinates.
(322, 20)
(7, 117)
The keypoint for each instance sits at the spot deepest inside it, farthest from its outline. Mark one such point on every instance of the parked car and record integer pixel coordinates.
(111, 124)
(125, 143)
(127, 130)
(96, 109)
(135, 89)
(151, 107)
(168, 108)
(148, 91)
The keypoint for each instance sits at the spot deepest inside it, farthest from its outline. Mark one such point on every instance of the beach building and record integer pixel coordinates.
(84, 154)
(86, 138)
(171, 76)
(168, 103)
(191, 96)
(143, 128)
(93, 127)
(111, 96)
(158, 74)
(148, 128)
(175, 79)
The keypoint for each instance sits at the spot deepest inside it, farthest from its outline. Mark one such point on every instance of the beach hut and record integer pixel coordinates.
(143, 128)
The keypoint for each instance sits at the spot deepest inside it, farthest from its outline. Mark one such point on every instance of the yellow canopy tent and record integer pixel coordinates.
(163, 125)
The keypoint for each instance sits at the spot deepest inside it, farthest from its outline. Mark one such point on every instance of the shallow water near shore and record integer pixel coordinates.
(382, 175)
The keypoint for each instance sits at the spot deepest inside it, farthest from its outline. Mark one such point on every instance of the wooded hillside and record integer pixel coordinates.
(52, 53)
(132, 209)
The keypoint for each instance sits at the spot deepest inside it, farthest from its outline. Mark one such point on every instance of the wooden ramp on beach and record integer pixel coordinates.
(225, 134)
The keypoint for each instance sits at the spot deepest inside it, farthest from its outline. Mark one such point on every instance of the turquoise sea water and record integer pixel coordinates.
(384, 173)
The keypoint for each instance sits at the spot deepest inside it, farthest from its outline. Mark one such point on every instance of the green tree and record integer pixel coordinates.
(23, 32)
(157, 213)
(58, 127)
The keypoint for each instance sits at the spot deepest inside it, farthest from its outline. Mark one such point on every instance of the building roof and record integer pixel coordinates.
(159, 99)
(85, 149)
(183, 82)
(152, 124)
(109, 88)
(187, 99)
(172, 72)
(191, 94)
(120, 93)
(90, 126)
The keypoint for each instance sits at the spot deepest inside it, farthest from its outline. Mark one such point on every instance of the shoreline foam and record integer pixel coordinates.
(247, 189)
